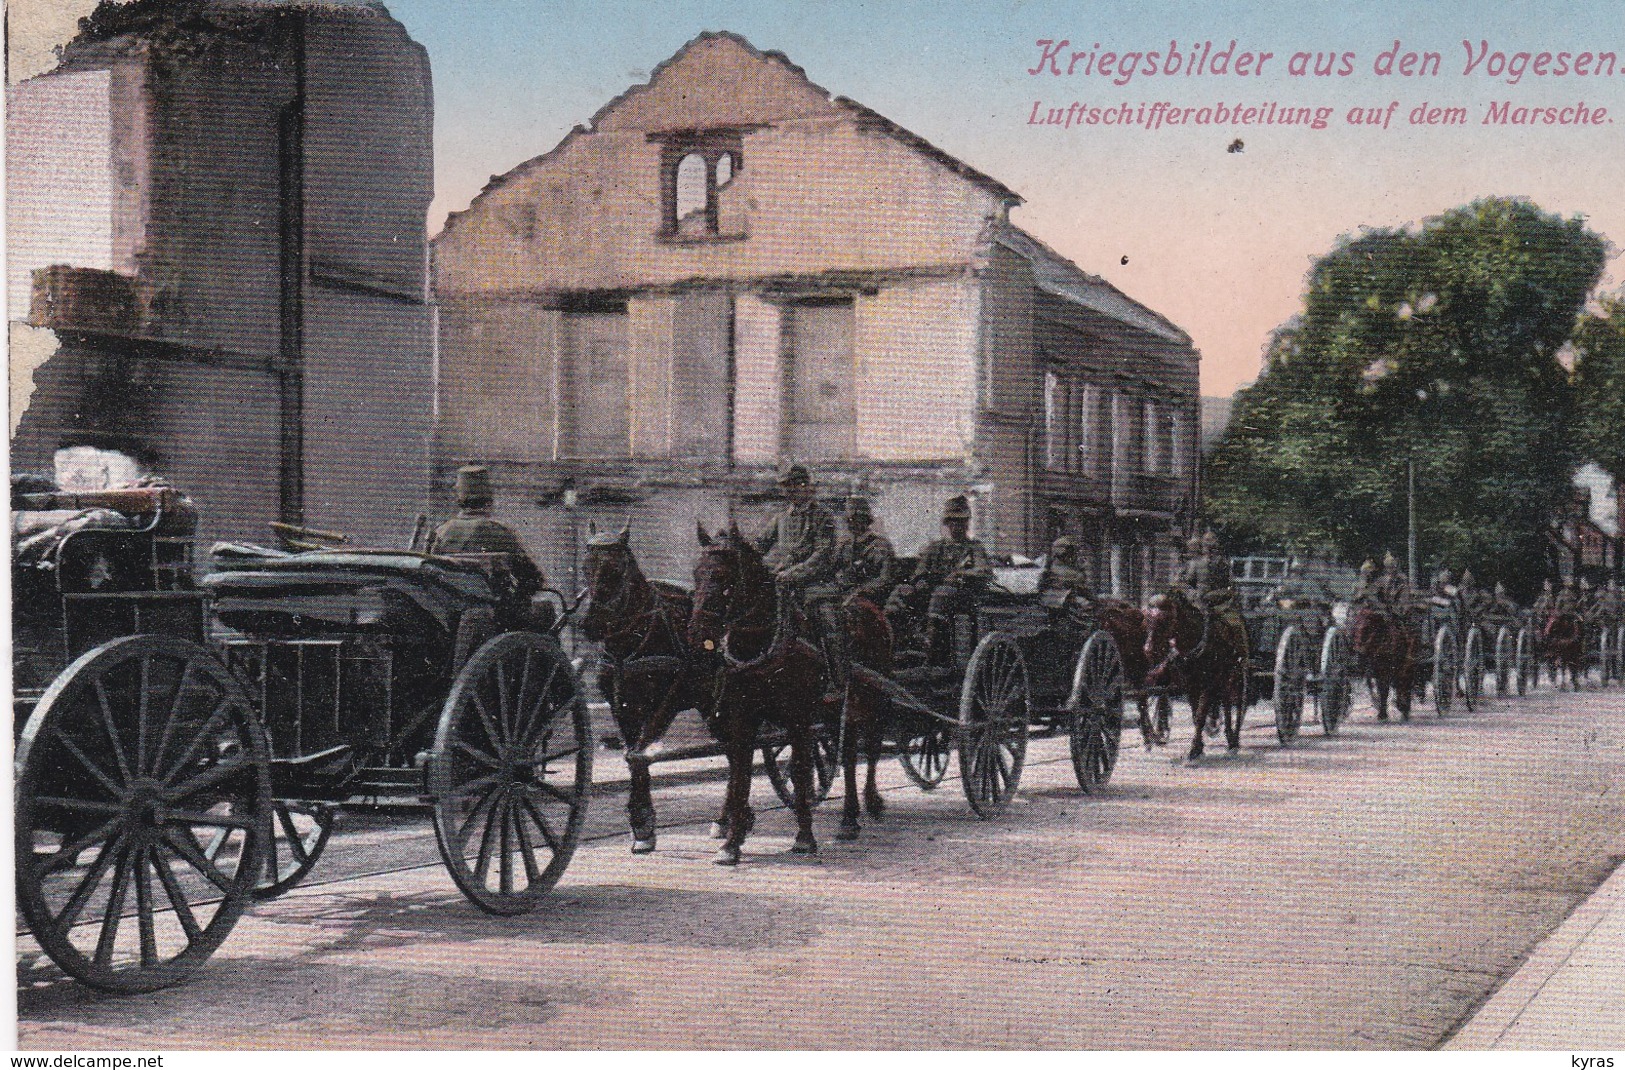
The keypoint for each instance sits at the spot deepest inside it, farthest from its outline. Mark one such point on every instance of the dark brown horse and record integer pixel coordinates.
(1385, 641)
(1564, 646)
(647, 673)
(1126, 624)
(1204, 653)
(769, 676)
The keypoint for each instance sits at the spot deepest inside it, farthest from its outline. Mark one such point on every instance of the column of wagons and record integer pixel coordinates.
(181, 748)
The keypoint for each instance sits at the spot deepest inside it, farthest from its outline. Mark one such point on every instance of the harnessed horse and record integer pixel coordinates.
(1564, 644)
(1386, 641)
(1198, 649)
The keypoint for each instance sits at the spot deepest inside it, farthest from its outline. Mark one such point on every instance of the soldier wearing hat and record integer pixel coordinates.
(474, 531)
(1545, 601)
(952, 570)
(1205, 578)
(1393, 589)
(1365, 593)
(863, 565)
(1062, 572)
(798, 547)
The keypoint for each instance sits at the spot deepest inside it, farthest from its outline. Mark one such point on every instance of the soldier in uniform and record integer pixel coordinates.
(1475, 601)
(1062, 571)
(1206, 578)
(1393, 589)
(1444, 590)
(474, 531)
(1501, 604)
(1545, 602)
(950, 573)
(863, 565)
(798, 547)
(1365, 592)
(1568, 599)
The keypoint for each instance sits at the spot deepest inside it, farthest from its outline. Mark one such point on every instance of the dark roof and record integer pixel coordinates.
(1055, 274)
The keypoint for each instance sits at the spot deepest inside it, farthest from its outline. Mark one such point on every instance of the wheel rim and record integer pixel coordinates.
(994, 710)
(299, 835)
(1505, 661)
(1526, 661)
(776, 763)
(143, 750)
(1291, 677)
(1445, 667)
(1473, 669)
(925, 757)
(1096, 702)
(510, 772)
(1335, 692)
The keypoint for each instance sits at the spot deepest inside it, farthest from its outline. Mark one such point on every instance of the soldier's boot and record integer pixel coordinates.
(833, 641)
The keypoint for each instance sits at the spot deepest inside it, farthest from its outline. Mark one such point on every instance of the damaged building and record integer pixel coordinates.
(216, 232)
(728, 270)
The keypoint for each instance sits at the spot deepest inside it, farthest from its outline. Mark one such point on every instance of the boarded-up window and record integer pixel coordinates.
(593, 416)
(700, 387)
(819, 380)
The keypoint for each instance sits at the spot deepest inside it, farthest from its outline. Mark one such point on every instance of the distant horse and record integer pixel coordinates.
(1204, 653)
(647, 674)
(771, 676)
(1564, 646)
(1386, 642)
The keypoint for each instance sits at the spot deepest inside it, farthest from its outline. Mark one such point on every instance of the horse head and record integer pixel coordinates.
(616, 587)
(733, 590)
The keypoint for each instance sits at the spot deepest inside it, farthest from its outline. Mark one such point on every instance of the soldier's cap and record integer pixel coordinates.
(1389, 560)
(1194, 544)
(858, 508)
(1369, 567)
(473, 485)
(1210, 541)
(958, 508)
(795, 476)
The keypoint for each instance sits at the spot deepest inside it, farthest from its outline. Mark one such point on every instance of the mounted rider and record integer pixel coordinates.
(951, 572)
(1205, 579)
(1393, 589)
(1544, 602)
(1476, 602)
(863, 566)
(1444, 591)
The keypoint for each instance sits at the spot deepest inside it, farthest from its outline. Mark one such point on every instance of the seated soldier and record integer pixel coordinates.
(1205, 580)
(1444, 590)
(1393, 588)
(863, 563)
(1062, 572)
(473, 531)
(1365, 592)
(1475, 601)
(951, 572)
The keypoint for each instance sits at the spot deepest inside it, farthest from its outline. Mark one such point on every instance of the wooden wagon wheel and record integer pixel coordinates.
(826, 764)
(1506, 660)
(142, 751)
(1607, 655)
(1096, 707)
(511, 771)
(995, 707)
(1446, 668)
(925, 755)
(299, 835)
(1528, 672)
(1291, 681)
(1336, 692)
(1472, 668)
(1619, 652)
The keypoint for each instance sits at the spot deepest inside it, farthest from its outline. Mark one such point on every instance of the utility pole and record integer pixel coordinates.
(1410, 529)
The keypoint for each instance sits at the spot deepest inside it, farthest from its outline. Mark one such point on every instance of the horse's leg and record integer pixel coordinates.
(1148, 731)
(737, 816)
(801, 775)
(872, 800)
(1381, 693)
(850, 825)
(1199, 720)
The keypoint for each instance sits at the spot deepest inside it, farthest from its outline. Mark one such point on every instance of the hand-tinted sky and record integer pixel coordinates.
(1218, 241)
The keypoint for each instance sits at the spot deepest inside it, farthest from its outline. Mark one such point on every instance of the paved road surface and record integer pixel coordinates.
(1364, 891)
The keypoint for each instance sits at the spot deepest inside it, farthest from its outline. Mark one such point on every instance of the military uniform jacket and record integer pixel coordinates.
(800, 544)
(1206, 578)
(864, 566)
(952, 561)
(470, 533)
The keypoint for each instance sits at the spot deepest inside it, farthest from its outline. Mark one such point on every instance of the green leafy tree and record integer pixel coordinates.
(1599, 384)
(1435, 347)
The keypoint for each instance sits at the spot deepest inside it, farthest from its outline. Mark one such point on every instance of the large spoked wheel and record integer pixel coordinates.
(1096, 705)
(1506, 660)
(826, 763)
(925, 755)
(1528, 672)
(299, 835)
(142, 752)
(511, 771)
(1472, 668)
(1291, 682)
(995, 707)
(1608, 655)
(1446, 667)
(1336, 692)
(1619, 652)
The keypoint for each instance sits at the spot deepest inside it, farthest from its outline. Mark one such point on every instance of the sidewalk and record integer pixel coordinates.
(1570, 995)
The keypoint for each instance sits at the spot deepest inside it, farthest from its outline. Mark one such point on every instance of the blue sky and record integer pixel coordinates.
(1217, 241)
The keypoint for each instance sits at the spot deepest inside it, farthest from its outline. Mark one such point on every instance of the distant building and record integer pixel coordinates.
(729, 270)
(216, 231)
(1586, 539)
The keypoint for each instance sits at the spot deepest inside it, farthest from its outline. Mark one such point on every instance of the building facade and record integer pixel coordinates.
(216, 233)
(729, 270)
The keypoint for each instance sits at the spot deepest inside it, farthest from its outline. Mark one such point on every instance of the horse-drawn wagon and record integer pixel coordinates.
(194, 746)
(1299, 651)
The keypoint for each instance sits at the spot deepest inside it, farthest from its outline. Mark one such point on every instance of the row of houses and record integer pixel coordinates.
(726, 269)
